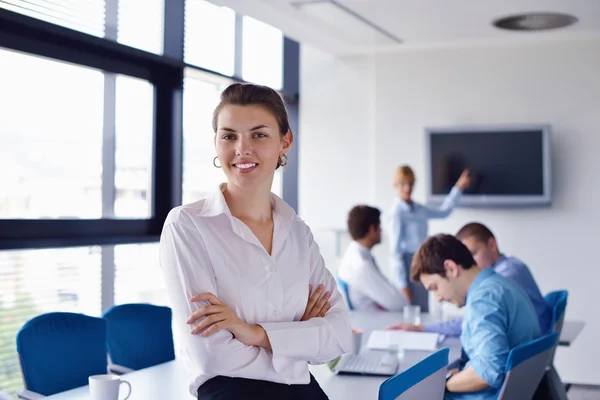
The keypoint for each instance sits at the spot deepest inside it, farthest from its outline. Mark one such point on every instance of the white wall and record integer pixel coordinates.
(382, 127)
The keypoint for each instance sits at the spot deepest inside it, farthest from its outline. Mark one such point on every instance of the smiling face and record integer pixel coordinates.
(485, 254)
(249, 144)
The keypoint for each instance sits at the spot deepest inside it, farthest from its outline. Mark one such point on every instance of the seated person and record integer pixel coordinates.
(483, 246)
(368, 288)
(498, 314)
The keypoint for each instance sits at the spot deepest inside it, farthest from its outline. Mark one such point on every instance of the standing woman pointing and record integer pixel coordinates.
(252, 301)
(409, 228)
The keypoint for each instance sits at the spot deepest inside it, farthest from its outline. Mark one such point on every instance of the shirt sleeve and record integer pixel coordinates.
(318, 340)
(187, 271)
(371, 283)
(452, 327)
(488, 340)
(447, 206)
(400, 272)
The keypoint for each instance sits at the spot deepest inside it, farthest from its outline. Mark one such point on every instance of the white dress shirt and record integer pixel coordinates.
(203, 248)
(367, 286)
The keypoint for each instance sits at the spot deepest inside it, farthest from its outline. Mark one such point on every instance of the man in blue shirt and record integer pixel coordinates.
(498, 314)
(483, 246)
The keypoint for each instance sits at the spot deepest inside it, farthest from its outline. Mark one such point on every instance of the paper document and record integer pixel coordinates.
(390, 340)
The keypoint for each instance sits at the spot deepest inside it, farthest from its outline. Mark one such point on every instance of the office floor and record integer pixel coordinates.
(580, 392)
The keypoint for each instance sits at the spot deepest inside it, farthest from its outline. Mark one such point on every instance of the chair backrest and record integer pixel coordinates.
(139, 335)
(558, 302)
(526, 366)
(344, 286)
(59, 351)
(425, 380)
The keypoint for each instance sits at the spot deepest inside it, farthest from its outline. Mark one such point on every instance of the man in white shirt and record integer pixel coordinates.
(368, 288)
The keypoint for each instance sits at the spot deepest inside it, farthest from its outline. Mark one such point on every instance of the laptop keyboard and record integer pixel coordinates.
(369, 363)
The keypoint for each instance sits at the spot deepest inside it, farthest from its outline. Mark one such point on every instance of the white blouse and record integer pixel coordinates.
(203, 248)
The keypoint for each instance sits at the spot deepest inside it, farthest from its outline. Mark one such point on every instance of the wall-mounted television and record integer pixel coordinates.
(510, 165)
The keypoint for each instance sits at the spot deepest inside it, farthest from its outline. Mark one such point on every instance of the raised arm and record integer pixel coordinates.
(187, 271)
(451, 200)
(317, 340)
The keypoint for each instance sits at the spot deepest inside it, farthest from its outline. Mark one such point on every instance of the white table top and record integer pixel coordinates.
(170, 380)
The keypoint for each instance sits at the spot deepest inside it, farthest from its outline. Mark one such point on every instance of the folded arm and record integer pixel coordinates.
(317, 340)
(187, 271)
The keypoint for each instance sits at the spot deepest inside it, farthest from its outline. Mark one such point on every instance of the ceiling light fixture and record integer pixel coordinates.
(537, 21)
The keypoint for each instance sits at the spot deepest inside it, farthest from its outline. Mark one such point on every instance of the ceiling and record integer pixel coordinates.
(371, 26)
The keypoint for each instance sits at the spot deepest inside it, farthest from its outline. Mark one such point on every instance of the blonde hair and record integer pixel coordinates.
(404, 173)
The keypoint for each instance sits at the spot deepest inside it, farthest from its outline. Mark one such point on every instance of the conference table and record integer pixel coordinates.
(170, 380)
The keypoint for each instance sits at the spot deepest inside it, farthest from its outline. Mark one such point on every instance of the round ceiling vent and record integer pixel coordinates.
(535, 21)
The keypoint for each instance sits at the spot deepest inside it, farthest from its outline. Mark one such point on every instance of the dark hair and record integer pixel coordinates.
(246, 94)
(360, 218)
(476, 230)
(429, 258)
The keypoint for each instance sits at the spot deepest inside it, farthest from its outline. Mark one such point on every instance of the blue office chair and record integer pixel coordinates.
(558, 302)
(58, 351)
(344, 286)
(139, 335)
(425, 380)
(525, 367)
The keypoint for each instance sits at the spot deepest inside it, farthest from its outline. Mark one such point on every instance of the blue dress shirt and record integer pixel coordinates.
(515, 270)
(409, 228)
(498, 317)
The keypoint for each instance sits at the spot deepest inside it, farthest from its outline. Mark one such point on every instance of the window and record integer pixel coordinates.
(144, 32)
(133, 158)
(82, 16)
(262, 54)
(209, 36)
(33, 282)
(56, 159)
(133, 261)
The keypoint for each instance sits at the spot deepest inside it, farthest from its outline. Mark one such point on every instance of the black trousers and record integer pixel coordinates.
(226, 388)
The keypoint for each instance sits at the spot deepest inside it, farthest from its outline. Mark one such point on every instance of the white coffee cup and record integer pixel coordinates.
(106, 387)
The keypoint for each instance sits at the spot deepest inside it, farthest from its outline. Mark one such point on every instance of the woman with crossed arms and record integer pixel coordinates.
(252, 301)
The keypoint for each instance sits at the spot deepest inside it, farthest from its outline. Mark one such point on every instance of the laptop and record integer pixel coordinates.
(375, 363)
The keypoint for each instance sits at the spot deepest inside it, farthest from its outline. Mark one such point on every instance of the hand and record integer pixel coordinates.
(464, 180)
(408, 294)
(217, 316)
(406, 327)
(317, 305)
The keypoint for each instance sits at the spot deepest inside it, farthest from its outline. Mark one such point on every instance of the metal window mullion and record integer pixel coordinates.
(238, 57)
(291, 89)
(109, 146)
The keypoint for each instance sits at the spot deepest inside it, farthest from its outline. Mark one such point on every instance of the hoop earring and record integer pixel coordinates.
(283, 160)
(215, 162)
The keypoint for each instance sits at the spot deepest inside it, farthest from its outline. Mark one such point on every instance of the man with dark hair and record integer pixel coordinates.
(498, 314)
(368, 288)
(484, 248)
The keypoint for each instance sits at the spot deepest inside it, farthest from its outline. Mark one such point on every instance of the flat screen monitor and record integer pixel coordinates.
(509, 165)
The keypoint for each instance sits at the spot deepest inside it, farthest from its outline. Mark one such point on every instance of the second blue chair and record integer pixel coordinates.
(425, 380)
(139, 335)
(525, 367)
